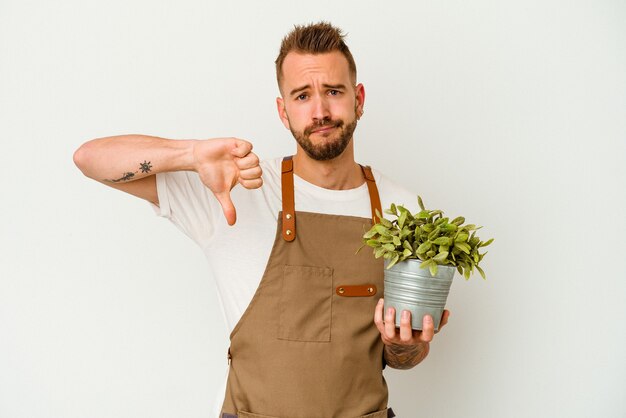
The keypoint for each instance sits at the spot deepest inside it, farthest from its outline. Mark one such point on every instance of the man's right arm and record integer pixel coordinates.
(130, 162)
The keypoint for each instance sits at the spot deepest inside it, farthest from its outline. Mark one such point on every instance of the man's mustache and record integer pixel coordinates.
(323, 123)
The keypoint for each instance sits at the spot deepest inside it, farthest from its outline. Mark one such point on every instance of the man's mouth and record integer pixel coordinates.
(322, 129)
(326, 127)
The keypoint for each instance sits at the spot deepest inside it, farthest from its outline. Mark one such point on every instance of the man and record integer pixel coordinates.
(298, 300)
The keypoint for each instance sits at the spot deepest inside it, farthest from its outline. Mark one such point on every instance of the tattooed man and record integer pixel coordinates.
(299, 220)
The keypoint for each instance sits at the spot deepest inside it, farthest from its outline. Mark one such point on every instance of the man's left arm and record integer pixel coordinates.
(404, 347)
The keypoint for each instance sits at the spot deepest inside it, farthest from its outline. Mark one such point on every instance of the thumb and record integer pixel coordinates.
(227, 207)
(242, 148)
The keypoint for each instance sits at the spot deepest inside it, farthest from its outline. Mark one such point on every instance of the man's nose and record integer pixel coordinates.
(321, 110)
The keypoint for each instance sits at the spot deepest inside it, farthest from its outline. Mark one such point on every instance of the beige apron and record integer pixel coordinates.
(307, 346)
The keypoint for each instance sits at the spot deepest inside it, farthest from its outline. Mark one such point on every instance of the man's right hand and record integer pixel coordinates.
(224, 162)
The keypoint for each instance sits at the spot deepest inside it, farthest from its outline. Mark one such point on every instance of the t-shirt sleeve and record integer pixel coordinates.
(187, 203)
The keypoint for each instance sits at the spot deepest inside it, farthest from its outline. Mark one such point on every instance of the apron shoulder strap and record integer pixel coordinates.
(289, 211)
(374, 196)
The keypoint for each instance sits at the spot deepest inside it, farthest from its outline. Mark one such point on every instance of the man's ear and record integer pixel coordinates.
(360, 99)
(282, 113)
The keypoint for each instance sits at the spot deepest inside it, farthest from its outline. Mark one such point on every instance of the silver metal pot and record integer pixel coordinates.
(409, 287)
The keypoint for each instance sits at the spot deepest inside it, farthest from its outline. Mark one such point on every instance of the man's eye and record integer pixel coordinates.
(333, 92)
(301, 97)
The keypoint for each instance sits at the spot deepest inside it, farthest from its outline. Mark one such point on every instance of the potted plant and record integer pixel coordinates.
(422, 251)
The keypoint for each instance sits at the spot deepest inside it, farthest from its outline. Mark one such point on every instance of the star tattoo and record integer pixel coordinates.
(145, 166)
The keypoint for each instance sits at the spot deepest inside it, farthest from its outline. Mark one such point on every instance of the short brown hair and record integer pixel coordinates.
(314, 38)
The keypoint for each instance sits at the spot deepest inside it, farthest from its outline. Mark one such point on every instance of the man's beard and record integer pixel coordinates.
(326, 150)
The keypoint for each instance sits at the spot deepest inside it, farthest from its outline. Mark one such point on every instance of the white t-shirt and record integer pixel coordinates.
(238, 254)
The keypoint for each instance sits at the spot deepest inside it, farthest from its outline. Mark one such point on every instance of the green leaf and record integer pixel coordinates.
(370, 233)
(407, 245)
(394, 209)
(420, 202)
(424, 214)
(462, 246)
(377, 212)
(461, 238)
(431, 253)
(484, 244)
(396, 240)
(381, 229)
(482, 273)
(442, 241)
(389, 247)
(407, 252)
(434, 234)
(433, 269)
(373, 243)
(378, 252)
(441, 257)
(426, 264)
(402, 219)
(424, 247)
(458, 220)
(385, 222)
(394, 260)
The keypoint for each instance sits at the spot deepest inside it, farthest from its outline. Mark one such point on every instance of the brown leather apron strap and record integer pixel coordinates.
(289, 212)
(374, 197)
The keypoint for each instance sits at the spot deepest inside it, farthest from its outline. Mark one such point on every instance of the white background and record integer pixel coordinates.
(512, 114)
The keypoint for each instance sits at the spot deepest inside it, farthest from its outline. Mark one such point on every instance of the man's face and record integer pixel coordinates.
(320, 104)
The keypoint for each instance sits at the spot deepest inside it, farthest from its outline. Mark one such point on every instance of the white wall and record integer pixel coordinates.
(510, 113)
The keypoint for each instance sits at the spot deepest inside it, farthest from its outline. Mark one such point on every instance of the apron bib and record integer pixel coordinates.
(307, 346)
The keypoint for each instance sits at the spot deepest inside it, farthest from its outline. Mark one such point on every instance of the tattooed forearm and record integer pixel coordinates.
(144, 167)
(405, 356)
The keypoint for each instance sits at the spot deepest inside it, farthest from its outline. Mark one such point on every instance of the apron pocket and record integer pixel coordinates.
(305, 304)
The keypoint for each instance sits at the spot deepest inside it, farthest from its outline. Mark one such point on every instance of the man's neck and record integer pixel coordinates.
(340, 173)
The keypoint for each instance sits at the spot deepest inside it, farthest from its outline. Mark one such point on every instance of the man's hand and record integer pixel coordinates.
(224, 162)
(405, 347)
